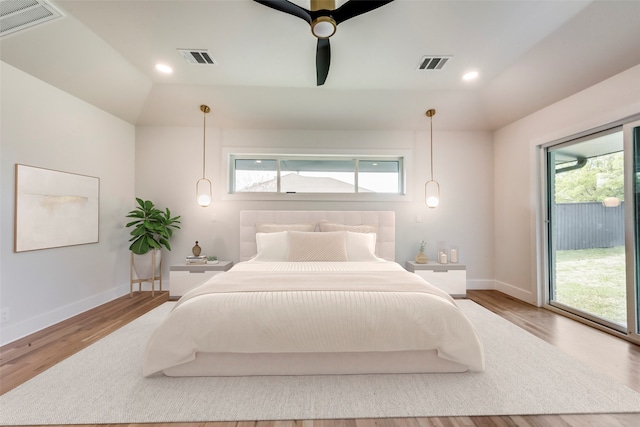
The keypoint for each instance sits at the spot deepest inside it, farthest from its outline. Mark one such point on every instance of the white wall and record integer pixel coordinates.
(45, 127)
(516, 174)
(169, 162)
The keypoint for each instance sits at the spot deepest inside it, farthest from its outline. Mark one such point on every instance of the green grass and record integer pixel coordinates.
(593, 280)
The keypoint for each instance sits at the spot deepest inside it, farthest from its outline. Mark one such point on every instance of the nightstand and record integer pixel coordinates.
(451, 278)
(184, 277)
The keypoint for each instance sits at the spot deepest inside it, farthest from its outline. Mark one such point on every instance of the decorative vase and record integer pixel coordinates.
(196, 249)
(142, 264)
(421, 258)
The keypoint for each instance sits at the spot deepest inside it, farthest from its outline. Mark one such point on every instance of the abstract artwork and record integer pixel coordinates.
(54, 209)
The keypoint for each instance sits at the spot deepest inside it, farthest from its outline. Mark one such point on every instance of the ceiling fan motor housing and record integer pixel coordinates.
(323, 27)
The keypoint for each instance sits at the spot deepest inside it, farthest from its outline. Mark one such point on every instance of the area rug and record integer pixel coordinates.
(103, 384)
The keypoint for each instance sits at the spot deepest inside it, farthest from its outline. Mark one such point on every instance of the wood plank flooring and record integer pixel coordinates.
(27, 357)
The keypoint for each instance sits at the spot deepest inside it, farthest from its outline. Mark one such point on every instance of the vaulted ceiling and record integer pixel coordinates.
(529, 54)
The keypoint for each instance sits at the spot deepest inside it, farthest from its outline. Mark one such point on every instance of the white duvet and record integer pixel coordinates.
(275, 307)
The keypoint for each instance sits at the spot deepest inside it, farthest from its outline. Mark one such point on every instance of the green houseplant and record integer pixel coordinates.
(152, 227)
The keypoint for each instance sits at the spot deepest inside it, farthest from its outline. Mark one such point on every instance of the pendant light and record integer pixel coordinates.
(203, 186)
(431, 187)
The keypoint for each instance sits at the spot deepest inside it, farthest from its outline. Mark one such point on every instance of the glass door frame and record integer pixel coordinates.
(545, 232)
(632, 243)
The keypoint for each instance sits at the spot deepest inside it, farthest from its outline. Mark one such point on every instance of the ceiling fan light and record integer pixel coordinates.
(323, 27)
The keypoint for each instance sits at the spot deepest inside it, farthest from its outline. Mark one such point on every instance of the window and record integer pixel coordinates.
(315, 174)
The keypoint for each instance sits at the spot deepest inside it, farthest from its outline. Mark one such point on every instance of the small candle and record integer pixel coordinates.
(454, 255)
(443, 257)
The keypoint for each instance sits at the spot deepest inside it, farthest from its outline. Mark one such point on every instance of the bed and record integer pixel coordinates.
(315, 293)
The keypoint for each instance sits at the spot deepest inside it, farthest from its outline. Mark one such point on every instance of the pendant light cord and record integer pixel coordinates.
(204, 141)
(431, 143)
(205, 109)
(430, 113)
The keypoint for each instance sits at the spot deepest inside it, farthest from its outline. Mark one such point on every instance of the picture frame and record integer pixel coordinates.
(54, 209)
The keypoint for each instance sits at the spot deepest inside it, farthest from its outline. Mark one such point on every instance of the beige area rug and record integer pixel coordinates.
(103, 384)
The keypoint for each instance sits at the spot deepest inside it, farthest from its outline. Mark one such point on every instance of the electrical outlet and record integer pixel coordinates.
(4, 315)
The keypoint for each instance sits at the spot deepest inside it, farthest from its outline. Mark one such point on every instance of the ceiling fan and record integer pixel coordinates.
(323, 19)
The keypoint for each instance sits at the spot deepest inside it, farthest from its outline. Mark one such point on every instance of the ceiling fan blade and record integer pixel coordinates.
(356, 7)
(287, 7)
(323, 60)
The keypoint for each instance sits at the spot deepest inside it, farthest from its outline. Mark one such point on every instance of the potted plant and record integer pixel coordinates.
(212, 259)
(152, 229)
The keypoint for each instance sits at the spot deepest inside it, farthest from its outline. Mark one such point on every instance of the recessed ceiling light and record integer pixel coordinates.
(164, 68)
(470, 75)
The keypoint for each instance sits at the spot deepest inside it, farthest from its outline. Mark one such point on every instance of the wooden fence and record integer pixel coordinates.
(588, 225)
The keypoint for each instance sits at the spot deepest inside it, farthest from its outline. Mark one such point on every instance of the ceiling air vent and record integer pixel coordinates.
(197, 56)
(16, 15)
(433, 62)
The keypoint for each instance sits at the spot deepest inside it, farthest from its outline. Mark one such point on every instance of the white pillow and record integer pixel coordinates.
(317, 246)
(361, 246)
(272, 247)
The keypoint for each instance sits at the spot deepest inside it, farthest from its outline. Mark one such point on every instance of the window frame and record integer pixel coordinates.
(232, 154)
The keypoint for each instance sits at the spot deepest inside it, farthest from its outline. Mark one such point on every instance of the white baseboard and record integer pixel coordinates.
(519, 293)
(12, 332)
(481, 284)
(505, 288)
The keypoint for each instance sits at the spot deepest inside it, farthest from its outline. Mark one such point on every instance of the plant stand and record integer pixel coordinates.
(151, 279)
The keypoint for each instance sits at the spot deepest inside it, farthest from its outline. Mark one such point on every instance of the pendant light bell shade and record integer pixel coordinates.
(431, 187)
(203, 186)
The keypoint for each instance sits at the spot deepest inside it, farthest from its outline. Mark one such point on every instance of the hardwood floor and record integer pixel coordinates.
(27, 357)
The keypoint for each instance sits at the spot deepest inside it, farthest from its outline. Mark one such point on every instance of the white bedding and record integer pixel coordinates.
(313, 307)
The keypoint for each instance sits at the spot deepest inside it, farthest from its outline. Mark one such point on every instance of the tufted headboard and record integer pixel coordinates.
(384, 220)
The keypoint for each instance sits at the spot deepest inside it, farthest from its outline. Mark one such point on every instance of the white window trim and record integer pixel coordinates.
(226, 172)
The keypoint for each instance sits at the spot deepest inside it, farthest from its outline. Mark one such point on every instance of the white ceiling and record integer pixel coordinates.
(529, 55)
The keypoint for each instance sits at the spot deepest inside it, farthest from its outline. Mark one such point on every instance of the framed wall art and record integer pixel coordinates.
(54, 209)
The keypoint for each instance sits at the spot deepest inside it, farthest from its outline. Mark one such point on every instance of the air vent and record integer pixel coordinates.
(433, 62)
(197, 56)
(16, 15)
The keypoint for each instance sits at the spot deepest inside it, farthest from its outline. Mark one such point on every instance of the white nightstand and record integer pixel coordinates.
(184, 277)
(451, 278)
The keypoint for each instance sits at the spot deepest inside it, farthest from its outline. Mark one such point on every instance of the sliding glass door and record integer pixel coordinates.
(587, 228)
(592, 244)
